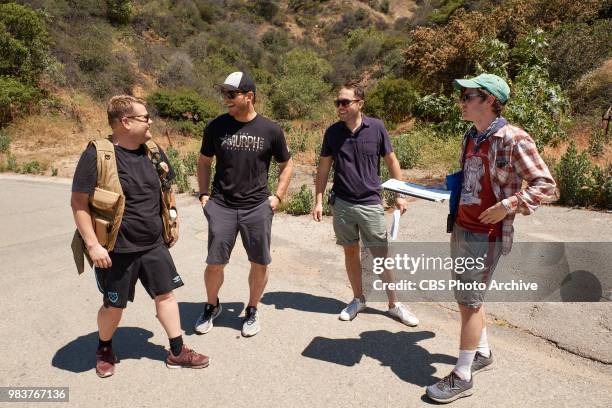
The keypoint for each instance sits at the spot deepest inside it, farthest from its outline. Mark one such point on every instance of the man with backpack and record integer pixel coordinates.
(124, 211)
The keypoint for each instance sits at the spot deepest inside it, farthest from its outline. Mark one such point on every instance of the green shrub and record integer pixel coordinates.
(596, 143)
(406, 150)
(388, 197)
(441, 14)
(601, 187)
(180, 170)
(301, 85)
(572, 176)
(32, 167)
(190, 111)
(300, 203)
(191, 163)
(275, 41)
(444, 112)
(491, 56)
(327, 208)
(538, 105)
(5, 143)
(273, 174)
(392, 100)
(119, 12)
(16, 98)
(268, 9)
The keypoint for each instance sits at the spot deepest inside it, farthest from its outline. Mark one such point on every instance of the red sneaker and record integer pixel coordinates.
(105, 362)
(187, 358)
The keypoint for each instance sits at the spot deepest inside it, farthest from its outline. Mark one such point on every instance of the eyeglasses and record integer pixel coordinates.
(231, 94)
(344, 102)
(146, 117)
(467, 96)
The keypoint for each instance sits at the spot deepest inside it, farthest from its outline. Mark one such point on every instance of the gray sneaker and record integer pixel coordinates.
(450, 388)
(250, 325)
(482, 363)
(204, 324)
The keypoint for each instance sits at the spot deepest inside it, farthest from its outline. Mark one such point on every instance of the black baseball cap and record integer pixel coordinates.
(238, 81)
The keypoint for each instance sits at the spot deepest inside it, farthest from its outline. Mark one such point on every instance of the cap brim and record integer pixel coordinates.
(226, 87)
(465, 83)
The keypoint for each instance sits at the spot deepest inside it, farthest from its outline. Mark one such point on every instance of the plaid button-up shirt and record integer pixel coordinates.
(513, 157)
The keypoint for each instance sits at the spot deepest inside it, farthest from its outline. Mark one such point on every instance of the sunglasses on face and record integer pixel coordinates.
(231, 94)
(344, 102)
(467, 96)
(146, 117)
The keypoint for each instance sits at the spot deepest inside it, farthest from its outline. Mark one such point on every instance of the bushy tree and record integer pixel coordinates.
(24, 43)
(392, 100)
(189, 110)
(537, 104)
(119, 12)
(301, 84)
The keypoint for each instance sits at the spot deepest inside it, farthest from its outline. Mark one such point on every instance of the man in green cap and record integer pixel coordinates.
(496, 158)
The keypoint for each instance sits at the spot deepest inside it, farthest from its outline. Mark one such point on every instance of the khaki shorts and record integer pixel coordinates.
(353, 222)
(467, 244)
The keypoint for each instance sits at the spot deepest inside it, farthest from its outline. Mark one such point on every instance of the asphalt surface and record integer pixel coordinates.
(547, 354)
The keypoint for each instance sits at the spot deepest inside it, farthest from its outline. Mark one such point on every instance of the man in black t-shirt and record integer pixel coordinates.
(243, 144)
(140, 251)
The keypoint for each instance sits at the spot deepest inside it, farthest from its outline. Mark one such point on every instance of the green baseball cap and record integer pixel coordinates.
(492, 83)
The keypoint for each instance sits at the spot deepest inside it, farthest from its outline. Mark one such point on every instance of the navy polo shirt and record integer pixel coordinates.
(356, 159)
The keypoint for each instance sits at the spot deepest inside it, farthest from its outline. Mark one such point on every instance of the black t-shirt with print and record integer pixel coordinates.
(243, 152)
(141, 227)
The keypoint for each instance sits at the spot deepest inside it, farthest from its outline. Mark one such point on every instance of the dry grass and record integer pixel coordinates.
(56, 140)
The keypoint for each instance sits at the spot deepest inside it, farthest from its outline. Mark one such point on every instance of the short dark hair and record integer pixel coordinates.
(357, 88)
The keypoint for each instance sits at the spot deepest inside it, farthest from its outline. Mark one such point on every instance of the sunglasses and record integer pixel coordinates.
(467, 96)
(344, 102)
(231, 94)
(146, 117)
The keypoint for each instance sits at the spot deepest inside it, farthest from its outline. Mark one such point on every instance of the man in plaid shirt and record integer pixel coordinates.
(496, 158)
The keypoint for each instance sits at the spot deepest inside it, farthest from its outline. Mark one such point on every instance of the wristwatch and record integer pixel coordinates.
(506, 203)
(173, 213)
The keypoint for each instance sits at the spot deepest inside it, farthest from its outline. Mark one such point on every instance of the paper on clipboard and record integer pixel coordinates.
(417, 190)
(395, 224)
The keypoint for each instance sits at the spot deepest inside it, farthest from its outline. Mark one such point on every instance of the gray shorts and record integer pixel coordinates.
(467, 244)
(224, 223)
(356, 221)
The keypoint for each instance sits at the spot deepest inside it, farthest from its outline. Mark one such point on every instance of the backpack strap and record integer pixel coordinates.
(108, 175)
(154, 154)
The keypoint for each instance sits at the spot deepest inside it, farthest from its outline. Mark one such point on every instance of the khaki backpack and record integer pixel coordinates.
(107, 203)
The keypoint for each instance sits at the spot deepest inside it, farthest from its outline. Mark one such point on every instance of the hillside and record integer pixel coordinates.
(61, 60)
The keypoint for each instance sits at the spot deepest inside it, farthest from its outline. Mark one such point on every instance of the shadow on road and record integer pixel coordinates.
(128, 343)
(306, 302)
(229, 317)
(399, 351)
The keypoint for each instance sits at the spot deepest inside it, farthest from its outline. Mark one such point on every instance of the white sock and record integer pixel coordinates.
(464, 364)
(483, 344)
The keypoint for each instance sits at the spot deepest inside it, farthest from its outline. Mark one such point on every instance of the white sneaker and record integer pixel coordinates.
(403, 314)
(351, 310)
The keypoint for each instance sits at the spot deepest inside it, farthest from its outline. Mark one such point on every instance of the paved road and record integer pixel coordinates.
(548, 355)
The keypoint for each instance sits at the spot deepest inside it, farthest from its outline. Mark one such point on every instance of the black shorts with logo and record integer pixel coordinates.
(224, 223)
(154, 267)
